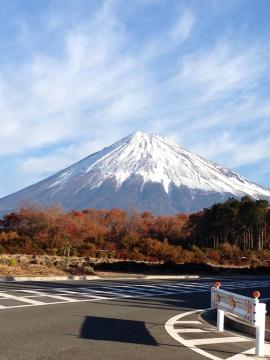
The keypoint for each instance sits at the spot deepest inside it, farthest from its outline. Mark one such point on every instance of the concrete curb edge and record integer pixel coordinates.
(48, 278)
(10, 278)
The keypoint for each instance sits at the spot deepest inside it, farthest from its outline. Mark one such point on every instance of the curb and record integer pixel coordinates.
(94, 277)
(161, 277)
(49, 278)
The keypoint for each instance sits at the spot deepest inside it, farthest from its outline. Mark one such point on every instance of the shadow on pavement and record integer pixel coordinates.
(118, 330)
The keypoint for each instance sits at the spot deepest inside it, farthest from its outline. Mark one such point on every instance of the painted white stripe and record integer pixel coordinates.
(191, 344)
(171, 286)
(124, 289)
(171, 331)
(59, 297)
(83, 294)
(51, 303)
(250, 354)
(113, 293)
(65, 298)
(191, 330)
(231, 339)
(40, 293)
(22, 299)
(181, 288)
(140, 289)
(241, 356)
(187, 322)
(155, 289)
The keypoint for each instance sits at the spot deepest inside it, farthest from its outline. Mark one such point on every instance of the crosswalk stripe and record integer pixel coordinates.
(114, 293)
(98, 291)
(141, 290)
(123, 288)
(81, 293)
(22, 299)
(57, 297)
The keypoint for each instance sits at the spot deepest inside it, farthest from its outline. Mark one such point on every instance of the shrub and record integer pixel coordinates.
(12, 262)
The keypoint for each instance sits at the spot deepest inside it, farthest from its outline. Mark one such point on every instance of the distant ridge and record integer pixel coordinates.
(143, 171)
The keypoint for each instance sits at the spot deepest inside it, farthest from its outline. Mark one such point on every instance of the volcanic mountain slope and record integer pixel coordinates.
(142, 171)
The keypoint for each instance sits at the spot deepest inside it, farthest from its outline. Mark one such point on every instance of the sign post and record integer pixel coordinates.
(260, 328)
(220, 320)
(247, 309)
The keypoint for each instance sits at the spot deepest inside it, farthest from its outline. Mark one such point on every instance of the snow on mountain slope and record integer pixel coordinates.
(143, 171)
(160, 160)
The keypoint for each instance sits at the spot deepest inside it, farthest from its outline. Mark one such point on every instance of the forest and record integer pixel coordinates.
(235, 232)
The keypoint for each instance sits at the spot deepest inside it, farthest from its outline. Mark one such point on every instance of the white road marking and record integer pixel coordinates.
(250, 354)
(153, 288)
(58, 297)
(112, 292)
(169, 326)
(190, 330)
(22, 299)
(221, 340)
(187, 322)
(137, 289)
(194, 343)
(124, 289)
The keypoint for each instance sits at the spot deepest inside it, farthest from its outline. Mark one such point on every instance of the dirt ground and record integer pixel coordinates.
(30, 270)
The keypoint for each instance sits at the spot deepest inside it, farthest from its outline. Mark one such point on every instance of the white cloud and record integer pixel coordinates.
(222, 70)
(101, 85)
(183, 27)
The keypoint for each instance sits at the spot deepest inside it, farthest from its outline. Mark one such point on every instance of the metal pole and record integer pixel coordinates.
(220, 320)
(260, 330)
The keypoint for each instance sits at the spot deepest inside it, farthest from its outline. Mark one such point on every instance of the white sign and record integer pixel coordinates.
(247, 309)
(243, 307)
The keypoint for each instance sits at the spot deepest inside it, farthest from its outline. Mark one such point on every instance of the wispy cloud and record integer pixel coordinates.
(99, 81)
(183, 26)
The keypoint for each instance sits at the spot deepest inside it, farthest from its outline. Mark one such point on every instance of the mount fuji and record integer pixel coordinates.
(143, 171)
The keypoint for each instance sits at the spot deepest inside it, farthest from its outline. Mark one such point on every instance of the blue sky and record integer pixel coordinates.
(77, 75)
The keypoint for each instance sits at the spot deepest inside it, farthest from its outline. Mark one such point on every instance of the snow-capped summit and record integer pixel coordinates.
(143, 171)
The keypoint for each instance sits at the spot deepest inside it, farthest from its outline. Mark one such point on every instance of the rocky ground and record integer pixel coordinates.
(44, 265)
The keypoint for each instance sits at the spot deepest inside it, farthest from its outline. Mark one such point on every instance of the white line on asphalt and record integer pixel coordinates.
(114, 293)
(221, 340)
(191, 344)
(169, 326)
(137, 289)
(171, 286)
(58, 297)
(187, 322)
(158, 289)
(191, 330)
(249, 354)
(22, 299)
(124, 288)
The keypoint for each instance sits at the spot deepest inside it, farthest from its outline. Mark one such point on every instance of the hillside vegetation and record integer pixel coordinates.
(236, 232)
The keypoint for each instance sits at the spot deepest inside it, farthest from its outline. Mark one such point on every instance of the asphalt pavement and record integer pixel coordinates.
(128, 319)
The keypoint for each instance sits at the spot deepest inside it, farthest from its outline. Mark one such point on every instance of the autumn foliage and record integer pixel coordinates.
(96, 233)
(235, 232)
